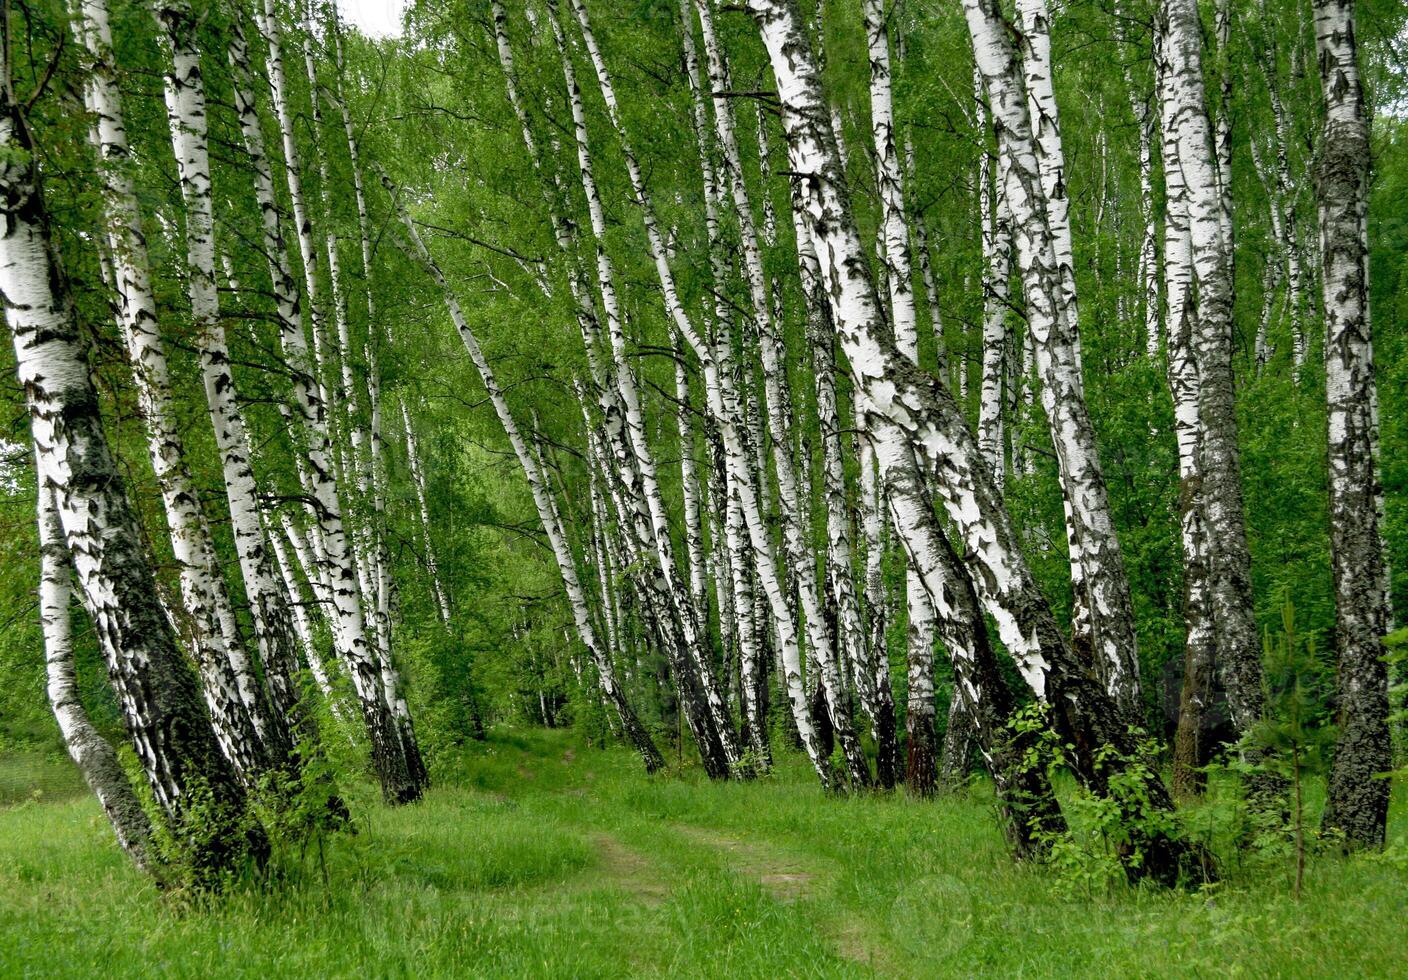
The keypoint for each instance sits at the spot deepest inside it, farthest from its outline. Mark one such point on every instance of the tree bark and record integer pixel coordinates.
(432, 564)
(90, 751)
(1358, 797)
(1188, 133)
(799, 557)
(1190, 748)
(158, 694)
(1032, 177)
(686, 617)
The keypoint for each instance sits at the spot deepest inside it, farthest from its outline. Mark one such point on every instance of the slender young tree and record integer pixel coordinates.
(996, 218)
(799, 557)
(542, 499)
(432, 564)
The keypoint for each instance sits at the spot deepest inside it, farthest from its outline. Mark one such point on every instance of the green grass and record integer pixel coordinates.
(535, 856)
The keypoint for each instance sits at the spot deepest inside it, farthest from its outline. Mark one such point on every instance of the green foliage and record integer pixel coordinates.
(208, 846)
(1264, 816)
(1110, 836)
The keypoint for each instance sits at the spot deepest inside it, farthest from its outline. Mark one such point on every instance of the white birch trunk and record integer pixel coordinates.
(394, 748)
(1033, 183)
(689, 483)
(909, 412)
(997, 275)
(800, 559)
(233, 694)
(1358, 794)
(186, 110)
(1190, 748)
(91, 752)
(432, 565)
(899, 275)
(1188, 134)
(864, 649)
(156, 691)
(712, 381)
(303, 623)
(542, 500)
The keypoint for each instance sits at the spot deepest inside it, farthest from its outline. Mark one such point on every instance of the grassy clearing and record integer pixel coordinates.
(534, 856)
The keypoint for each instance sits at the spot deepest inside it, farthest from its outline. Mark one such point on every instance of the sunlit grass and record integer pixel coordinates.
(535, 856)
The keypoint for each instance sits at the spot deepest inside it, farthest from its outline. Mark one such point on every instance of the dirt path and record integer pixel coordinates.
(788, 880)
(629, 870)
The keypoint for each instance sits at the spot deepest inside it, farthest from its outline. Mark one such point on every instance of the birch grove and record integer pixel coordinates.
(900, 397)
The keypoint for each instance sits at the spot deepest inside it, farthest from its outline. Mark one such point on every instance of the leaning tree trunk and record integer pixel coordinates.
(156, 691)
(432, 564)
(1032, 180)
(689, 483)
(921, 758)
(636, 520)
(865, 650)
(375, 467)
(910, 411)
(268, 606)
(343, 412)
(1146, 119)
(1358, 792)
(1188, 134)
(395, 752)
(90, 751)
(547, 513)
(997, 289)
(747, 621)
(685, 615)
(239, 708)
(818, 632)
(718, 385)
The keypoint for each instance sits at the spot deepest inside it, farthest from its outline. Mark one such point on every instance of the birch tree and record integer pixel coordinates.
(156, 690)
(1032, 178)
(186, 111)
(395, 752)
(248, 732)
(1358, 793)
(91, 752)
(1190, 750)
(1188, 133)
(547, 513)
(911, 412)
(800, 561)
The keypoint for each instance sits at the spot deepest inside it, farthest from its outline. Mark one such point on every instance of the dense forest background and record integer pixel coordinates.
(430, 108)
(476, 615)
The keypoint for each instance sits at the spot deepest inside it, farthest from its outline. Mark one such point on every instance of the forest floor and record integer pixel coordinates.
(537, 856)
